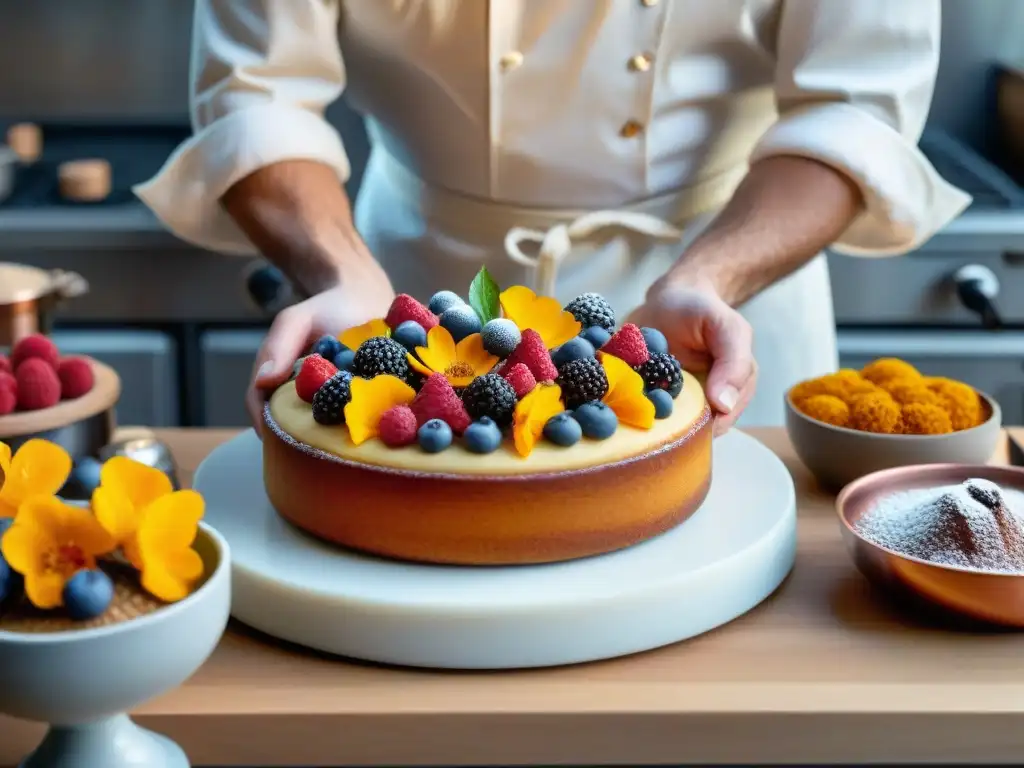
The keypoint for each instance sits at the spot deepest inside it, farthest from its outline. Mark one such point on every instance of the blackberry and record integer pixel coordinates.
(380, 355)
(330, 400)
(662, 371)
(491, 396)
(582, 380)
(592, 309)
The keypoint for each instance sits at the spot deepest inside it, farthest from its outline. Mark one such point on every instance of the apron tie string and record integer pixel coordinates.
(556, 244)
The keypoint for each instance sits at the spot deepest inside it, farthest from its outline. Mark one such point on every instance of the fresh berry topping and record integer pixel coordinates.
(344, 359)
(592, 309)
(88, 594)
(562, 429)
(581, 381)
(76, 377)
(397, 427)
(330, 400)
(662, 403)
(490, 395)
(35, 346)
(405, 307)
(444, 300)
(5, 365)
(574, 349)
(7, 381)
(482, 436)
(8, 399)
(628, 345)
(662, 372)
(532, 353)
(38, 385)
(438, 400)
(312, 375)
(597, 421)
(521, 379)
(501, 337)
(327, 347)
(410, 335)
(378, 356)
(460, 321)
(434, 436)
(657, 344)
(596, 335)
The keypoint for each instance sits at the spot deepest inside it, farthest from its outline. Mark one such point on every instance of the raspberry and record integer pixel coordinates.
(582, 381)
(628, 345)
(38, 385)
(592, 309)
(378, 356)
(662, 372)
(405, 307)
(437, 400)
(398, 427)
(7, 381)
(35, 345)
(8, 399)
(5, 365)
(532, 353)
(491, 396)
(521, 379)
(76, 377)
(330, 400)
(312, 375)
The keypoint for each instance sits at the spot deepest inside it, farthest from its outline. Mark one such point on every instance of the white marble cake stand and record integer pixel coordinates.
(726, 559)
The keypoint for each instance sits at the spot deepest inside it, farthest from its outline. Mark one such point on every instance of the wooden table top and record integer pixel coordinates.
(822, 672)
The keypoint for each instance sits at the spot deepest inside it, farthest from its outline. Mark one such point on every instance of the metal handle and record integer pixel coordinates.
(977, 288)
(68, 285)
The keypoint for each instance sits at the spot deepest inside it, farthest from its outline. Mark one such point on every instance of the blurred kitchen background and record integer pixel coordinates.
(108, 78)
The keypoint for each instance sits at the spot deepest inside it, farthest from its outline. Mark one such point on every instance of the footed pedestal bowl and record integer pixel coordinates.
(83, 682)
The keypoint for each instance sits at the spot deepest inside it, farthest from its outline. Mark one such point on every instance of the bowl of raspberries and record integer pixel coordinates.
(62, 398)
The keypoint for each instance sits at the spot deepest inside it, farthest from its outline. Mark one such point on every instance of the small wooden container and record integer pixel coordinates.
(84, 181)
(26, 139)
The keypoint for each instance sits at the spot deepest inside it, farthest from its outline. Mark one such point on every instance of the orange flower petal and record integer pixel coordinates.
(371, 399)
(626, 394)
(416, 365)
(471, 350)
(64, 523)
(186, 565)
(532, 413)
(23, 548)
(38, 468)
(170, 523)
(440, 351)
(541, 313)
(139, 483)
(516, 302)
(115, 513)
(164, 585)
(5, 460)
(45, 590)
(353, 337)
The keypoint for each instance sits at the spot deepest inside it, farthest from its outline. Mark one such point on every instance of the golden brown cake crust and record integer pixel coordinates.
(487, 520)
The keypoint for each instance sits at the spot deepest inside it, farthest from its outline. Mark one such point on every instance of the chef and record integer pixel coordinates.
(687, 159)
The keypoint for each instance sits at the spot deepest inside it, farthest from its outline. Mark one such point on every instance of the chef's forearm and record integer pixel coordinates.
(784, 213)
(299, 217)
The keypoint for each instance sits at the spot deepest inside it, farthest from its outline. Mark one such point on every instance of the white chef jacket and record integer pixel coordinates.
(491, 116)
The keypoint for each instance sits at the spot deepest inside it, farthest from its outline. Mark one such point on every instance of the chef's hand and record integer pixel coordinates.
(353, 302)
(706, 335)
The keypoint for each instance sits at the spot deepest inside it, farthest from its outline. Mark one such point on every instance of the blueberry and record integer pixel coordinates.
(596, 335)
(501, 337)
(482, 436)
(656, 342)
(410, 335)
(460, 321)
(597, 420)
(574, 349)
(344, 359)
(434, 436)
(5, 523)
(88, 594)
(662, 403)
(443, 301)
(327, 347)
(10, 580)
(83, 480)
(562, 429)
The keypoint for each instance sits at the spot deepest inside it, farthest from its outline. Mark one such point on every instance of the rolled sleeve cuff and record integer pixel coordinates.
(185, 195)
(906, 200)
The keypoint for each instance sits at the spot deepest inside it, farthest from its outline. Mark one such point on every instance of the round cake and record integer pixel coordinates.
(502, 429)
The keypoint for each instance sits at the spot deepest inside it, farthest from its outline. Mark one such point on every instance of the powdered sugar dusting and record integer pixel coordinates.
(973, 525)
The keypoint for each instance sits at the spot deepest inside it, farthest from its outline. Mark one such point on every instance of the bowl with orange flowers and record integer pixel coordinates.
(850, 423)
(103, 605)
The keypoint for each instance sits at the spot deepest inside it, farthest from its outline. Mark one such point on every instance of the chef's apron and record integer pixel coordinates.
(430, 239)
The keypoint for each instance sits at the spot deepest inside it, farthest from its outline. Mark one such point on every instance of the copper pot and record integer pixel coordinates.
(28, 297)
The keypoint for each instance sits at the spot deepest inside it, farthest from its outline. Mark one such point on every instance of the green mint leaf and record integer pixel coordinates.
(484, 296)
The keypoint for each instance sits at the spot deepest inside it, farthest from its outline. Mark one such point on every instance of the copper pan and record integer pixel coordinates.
(996, 598)
(28, 297)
